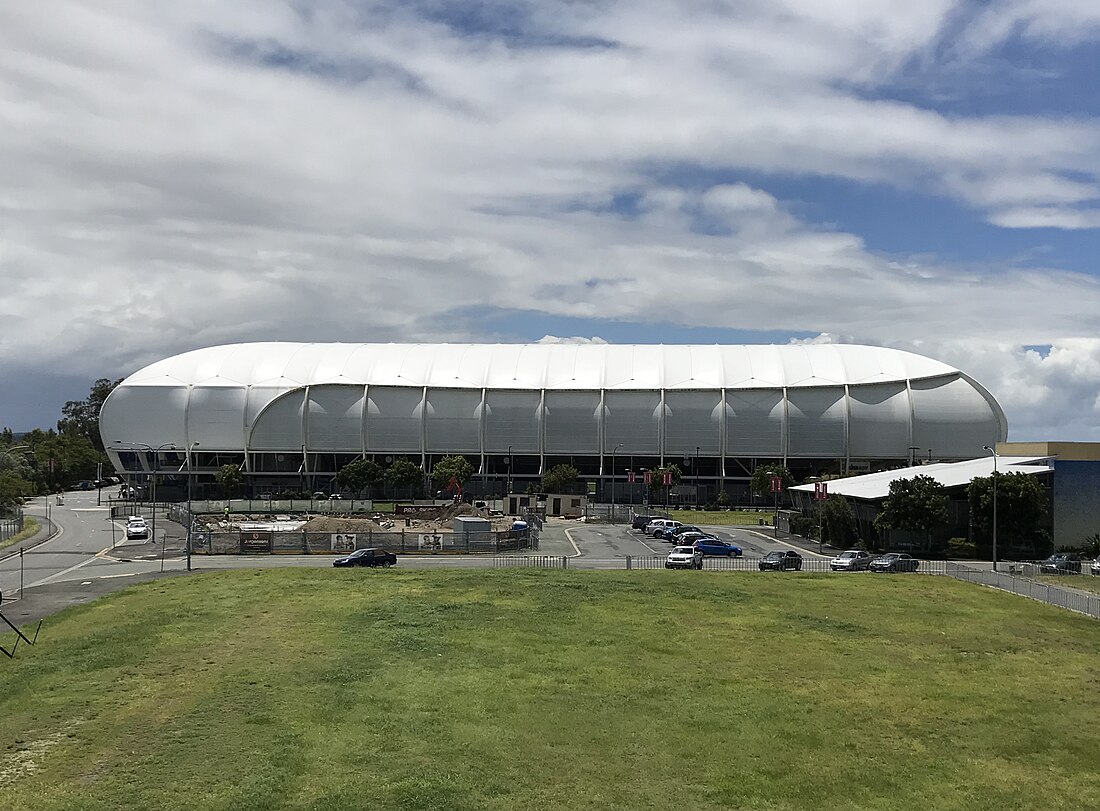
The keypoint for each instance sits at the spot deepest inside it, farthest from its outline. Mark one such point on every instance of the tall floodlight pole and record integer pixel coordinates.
(698, 502)
(613, 452)
(190, 520)
(986, 447)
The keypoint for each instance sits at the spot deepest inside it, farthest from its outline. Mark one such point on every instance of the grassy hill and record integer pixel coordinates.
(308, 689)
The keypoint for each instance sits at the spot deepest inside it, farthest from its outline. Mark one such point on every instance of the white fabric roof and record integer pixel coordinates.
(540, 366)
(949, 474)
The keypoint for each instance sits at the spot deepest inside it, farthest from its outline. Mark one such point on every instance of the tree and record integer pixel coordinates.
(13, 489)
(456, 467)
(81, 417)
(657, 480)
(761, 481)
(403, 473)
(56, 461)
(560, 479)
(1022, 503)
(360, 475)
(229, 477)
(918, 504)
(837, 522)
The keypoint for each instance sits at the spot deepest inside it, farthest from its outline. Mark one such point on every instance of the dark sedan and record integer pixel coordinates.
(1061, 563)
(780, 561)
(367, 557)
(894, 562)
(709, 545)
(640, 521)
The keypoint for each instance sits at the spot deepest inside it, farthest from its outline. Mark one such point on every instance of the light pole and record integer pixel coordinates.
(156, 463)
(190, 520)
(987, 448)
(698, 502)
(614, 451)
(508, 477)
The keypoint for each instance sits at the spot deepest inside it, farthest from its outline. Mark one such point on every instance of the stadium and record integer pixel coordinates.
(292, 414)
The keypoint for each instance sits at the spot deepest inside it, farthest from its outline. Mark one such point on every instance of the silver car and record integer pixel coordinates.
(1095, 567)
(853, 560)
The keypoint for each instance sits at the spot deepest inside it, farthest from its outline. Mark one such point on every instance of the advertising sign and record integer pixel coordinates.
(430, 541)
(343, 542)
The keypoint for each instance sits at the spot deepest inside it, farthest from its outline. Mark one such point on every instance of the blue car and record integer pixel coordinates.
(714, 546)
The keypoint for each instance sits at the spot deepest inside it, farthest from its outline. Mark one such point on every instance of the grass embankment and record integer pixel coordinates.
(305, 689)
(721, 517)
(30, 527)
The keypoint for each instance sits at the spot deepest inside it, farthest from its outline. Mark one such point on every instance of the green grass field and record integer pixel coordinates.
(721, 517)
(525, 689)
(1084, 582)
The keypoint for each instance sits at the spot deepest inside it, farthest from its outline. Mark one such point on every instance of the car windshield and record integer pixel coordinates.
(849, 554)
(773, 555)
(683, 550)
(358, 553)
(891, 556)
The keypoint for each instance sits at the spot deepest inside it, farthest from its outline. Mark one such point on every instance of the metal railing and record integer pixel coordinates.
(1015, 582)
(10, 527)
(295, 542)
(530, 562)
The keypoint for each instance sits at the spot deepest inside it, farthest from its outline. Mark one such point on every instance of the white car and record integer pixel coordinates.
(684, 557)
(660, 524)
(136, 528)
(1095, 567)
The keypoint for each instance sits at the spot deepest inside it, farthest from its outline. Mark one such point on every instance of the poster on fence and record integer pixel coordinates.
(343, 542)
(430, 541)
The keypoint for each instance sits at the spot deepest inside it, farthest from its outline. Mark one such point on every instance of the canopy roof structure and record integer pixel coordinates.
(540, 366)
(875, 486)
(549, 403)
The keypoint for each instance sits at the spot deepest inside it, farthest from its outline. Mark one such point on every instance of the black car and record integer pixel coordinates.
(367, 557)
(674, 536)
(640, 521)
(1061, 563)
(781, 561)
(894, 562)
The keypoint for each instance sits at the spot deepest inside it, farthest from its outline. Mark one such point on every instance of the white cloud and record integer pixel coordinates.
(177, 175)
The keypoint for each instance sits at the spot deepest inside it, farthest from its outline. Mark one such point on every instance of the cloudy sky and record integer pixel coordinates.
(921, 175)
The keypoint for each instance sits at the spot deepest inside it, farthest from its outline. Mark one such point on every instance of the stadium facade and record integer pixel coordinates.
(292, 414)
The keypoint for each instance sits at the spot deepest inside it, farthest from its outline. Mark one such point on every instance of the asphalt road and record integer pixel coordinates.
(89, 555)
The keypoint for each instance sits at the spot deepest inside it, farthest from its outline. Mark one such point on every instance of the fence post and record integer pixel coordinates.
(628, 563)
(564, 562)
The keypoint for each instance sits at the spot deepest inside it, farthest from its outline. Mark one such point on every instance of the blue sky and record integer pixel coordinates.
(924, 176)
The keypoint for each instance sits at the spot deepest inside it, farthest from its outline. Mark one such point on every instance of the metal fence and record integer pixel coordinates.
(530, 562)
(1016, 583)
(10, 527)
(268, 542)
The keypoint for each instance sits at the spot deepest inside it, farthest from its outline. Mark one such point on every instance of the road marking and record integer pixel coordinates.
(569, 537)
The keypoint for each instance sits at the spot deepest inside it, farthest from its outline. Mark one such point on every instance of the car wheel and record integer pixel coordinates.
(387, 564)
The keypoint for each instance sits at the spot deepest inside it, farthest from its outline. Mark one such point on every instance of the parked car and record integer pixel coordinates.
(1095, 567)
(660, 525)
(780, 561)
(853, 560)
(640, 521)
(689, 538)
(367, 557)
(709, 545)
(136, 528)
(684, 557)
(894, 562)
(1061, 563)
(674, 534)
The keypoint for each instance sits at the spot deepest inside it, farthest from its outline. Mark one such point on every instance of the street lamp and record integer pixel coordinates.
(987, 448)
(613, 452)
(190, 520)
(156, 463)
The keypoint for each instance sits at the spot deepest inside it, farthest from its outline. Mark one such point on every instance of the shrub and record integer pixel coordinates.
(961, 548)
